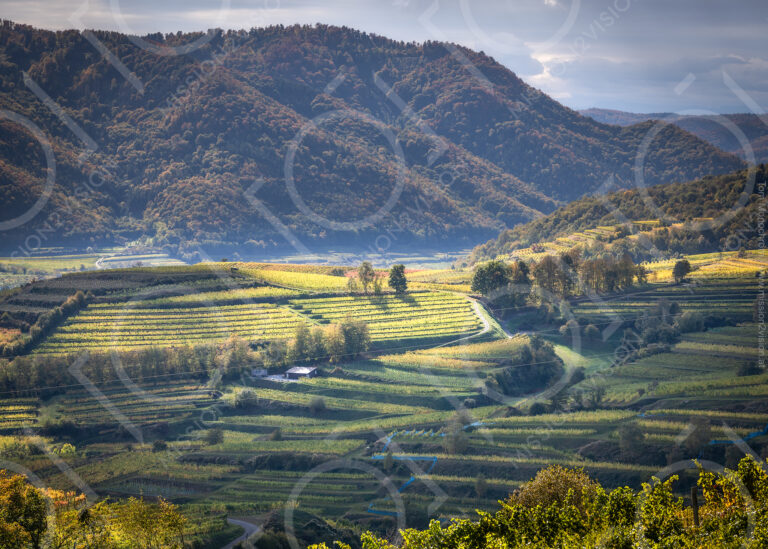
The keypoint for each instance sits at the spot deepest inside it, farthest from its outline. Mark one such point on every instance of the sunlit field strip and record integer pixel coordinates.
(119, 330)
(359, 426)
(142, 327)
(236, 441)
(340, 403)
(416, 376)
(413, 360)
(303, 280)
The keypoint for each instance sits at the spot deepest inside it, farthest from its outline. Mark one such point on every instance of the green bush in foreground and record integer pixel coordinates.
(566, 509)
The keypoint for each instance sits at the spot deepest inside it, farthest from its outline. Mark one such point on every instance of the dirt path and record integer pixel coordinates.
(249, 528)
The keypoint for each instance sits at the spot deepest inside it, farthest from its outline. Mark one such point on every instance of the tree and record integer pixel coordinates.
(150, 525)
(299, 347)
(489, 277)
(317, 350)
(681, 270)
(700, 435)
(455, 440)
(389, 461)
(347, 340)
(397, 280)
(23, 513)
(481, 486)
(631, 439)
(548, 275)
(334, 343)
(214, 436)
(366, 275)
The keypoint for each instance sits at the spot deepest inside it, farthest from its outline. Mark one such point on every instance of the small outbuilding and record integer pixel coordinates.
(298, 372)
(259, 372)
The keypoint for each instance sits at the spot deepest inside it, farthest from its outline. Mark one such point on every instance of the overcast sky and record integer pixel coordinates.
(635, 55)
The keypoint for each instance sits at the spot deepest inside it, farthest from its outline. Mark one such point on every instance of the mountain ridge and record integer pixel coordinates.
(727, 132)
(178, 160)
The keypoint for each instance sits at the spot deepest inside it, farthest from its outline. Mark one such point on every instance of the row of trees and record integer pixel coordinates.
(335, 343)
(43, 326)
(48, 374)
(563, 276)
(367, 279)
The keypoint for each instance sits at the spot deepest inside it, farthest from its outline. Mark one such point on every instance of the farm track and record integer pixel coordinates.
(250, 529)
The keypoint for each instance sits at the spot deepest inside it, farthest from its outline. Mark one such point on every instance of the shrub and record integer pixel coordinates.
(749, 369)
(690, 321)
(317, 405)
(557, 485)
(591, 332)
(569, 327)
(246, 398)
(214, 436)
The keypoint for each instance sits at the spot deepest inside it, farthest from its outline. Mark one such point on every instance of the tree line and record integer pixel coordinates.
(563, 276)
(335, 343)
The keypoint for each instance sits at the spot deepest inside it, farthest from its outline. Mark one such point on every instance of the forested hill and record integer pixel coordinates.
(728, 132)
(175, 150)
(711, 214)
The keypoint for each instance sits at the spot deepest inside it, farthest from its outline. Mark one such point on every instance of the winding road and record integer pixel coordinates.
(249, 528)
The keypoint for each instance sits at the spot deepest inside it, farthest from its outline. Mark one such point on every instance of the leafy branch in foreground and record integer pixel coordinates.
(565, 508)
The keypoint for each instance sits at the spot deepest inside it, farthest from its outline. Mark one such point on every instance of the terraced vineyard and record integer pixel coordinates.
(416, 315)
(124, 326)
(432, 353)
(249, 313)
(15, 414)
(732, 296)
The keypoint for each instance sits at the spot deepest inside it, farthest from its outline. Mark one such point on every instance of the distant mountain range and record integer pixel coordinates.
(715, 129)
(196, 150)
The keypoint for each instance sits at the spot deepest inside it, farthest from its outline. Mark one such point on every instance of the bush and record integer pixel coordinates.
(569, 327)
(557, 485)
(214, 436)
(159, 446)
(591, 332)
(690, 321)
(749, 369)
(246, 398)
(317, 405)
(537, 408)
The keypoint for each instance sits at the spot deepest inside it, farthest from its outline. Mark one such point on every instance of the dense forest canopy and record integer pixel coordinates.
(170, 160)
